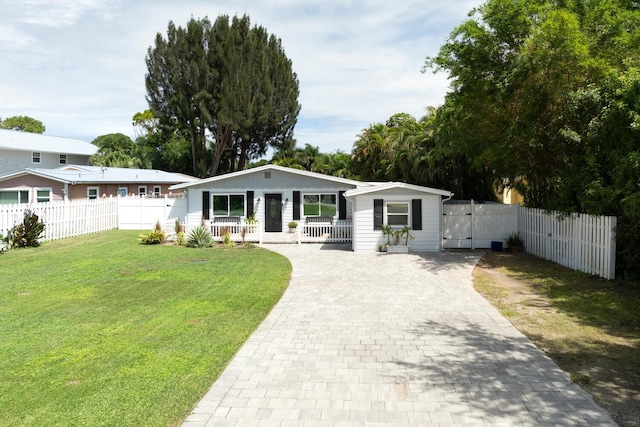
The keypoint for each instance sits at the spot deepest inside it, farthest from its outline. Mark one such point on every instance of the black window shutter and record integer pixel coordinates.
(249, 203)
(342, 206)
(206, 197)
(416, 214)
(378, 205)
(296, 205)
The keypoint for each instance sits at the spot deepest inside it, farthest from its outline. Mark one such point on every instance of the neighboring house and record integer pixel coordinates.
(277, 195)
(19, 150)
(73, 182)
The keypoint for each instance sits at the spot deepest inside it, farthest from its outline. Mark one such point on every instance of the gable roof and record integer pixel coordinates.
(377, 187)
(27, 141)
(269, 168)
(96, 174)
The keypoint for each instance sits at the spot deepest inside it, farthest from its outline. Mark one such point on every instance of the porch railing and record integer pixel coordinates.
(339, 232)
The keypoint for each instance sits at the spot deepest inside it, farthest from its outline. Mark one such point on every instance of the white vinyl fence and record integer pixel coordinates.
(142, 213)
(65, 219)
(474, 225)
(581, 242)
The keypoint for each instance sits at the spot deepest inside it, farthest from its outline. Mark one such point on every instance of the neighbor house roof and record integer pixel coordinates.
(97, 174)
(27, 141)
(269, 168)
(377, 187)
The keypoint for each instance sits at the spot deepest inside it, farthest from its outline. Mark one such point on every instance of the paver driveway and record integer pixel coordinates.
(389, 340)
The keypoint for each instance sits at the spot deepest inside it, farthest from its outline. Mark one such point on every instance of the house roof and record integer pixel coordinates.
(27, 141)
(377, 187)
(96, 174)
(269, 168)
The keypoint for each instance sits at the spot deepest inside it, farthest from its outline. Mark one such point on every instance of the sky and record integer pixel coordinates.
(78, 66)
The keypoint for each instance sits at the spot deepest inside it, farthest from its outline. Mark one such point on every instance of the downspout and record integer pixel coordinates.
(353, 223)
(442, 221)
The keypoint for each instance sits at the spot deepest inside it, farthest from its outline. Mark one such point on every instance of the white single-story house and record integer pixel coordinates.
(277, 195)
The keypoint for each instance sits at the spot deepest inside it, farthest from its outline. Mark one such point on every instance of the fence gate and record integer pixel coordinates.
(457, 226)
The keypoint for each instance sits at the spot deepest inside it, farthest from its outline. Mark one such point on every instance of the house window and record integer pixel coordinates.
(63, 159)
(228, 205)
(123, 191)
(43, 195)
(398, 214)
(35, 157)
(93, 193)
(319, 205)
(157, 191)
(142, 190)
(14, 197)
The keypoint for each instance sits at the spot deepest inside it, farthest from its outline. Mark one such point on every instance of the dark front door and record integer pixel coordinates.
(273, 213)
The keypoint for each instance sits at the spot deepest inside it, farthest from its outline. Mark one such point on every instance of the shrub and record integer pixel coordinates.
(156, 236)
(514, 241)
(177, 227)
(226, 240)
(200, 238)
(181, 240)
(27, 233)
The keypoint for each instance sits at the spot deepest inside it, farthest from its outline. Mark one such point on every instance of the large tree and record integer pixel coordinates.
(228, 86)
(22, 124)
(409, 150)
(118, 150)
(544, 94)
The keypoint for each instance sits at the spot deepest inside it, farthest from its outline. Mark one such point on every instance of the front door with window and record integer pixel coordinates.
(273, 213)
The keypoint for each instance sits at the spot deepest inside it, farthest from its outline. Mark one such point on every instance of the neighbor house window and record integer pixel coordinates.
(63, 159)
(43, 195)
(123, 191)
(35, 157)
(228, 205)
(157, 190)
(93, 193)
(142, 190)
(14, 197)
(398, 214)
(319, 205)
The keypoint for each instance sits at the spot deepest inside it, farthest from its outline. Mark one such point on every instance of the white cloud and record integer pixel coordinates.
(79, 65)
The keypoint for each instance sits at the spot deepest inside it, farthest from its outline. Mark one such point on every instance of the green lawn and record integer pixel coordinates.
(589, 326)
(102, 330)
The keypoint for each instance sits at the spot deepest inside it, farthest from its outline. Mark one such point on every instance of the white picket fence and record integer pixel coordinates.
(65, 219)
(581, 242)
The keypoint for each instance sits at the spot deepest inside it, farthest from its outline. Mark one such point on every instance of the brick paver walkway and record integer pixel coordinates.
(367, 340)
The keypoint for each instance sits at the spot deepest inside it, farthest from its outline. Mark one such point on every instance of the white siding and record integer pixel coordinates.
(368, 239)
(276, 182)
(15, 160)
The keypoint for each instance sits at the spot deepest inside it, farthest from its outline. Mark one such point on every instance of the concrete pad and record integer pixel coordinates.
(377, 339)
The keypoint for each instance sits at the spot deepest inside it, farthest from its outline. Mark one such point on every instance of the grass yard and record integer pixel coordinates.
(589, 326)
(101, 330)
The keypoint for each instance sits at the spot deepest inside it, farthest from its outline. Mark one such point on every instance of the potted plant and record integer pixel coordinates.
(400, 236)
(292, 226)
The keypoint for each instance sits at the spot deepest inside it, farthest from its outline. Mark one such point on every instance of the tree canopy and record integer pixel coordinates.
(22, 124)
(228, 87)
(544, 93)
(118, 150)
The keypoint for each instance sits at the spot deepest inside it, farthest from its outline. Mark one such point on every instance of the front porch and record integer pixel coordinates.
(340, 231)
